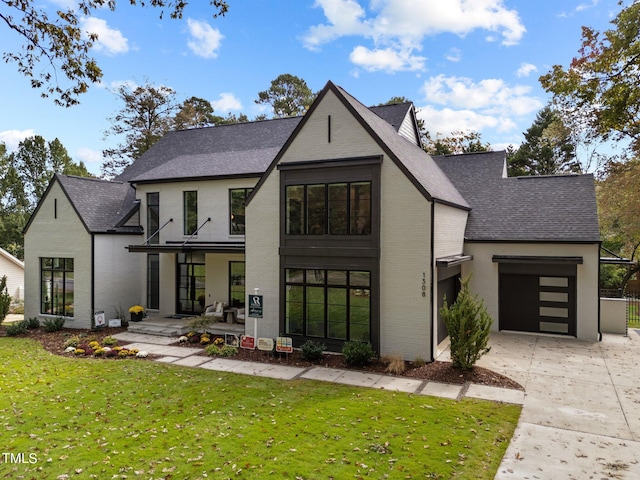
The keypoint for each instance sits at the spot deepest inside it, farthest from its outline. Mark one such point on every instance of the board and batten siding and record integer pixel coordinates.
(485, 278)
(407, 128)
(57, 232)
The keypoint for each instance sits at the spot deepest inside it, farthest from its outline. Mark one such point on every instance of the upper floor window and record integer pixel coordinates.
(153, 217)
(237, 201)
(56, 286)
(190, 205)
(328, 208)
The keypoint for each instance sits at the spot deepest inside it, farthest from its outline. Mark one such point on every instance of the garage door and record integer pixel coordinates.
(539, 301)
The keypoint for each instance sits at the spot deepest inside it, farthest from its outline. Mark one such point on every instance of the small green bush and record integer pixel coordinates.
(222, 351)
(109, 341)
(357, 354)
(72, 341)
(312, 351)
(33, 323)
(468, 325)
(16, 328)
(53, 324)
(5, 298)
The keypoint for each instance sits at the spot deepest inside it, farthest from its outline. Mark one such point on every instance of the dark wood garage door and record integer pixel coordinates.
(538, 302)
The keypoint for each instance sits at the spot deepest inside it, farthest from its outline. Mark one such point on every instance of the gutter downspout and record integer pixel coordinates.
(598, 291)
(93, 278)
(432, 271)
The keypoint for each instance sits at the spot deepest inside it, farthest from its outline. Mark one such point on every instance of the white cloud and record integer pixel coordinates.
(526, 69)
(110, 41)
(491, 96)
(440, 123)
(454, 55)
(12, 138)
(401, 25)
(204, 40)
(227, 102)
(386, 59)
(88, 156)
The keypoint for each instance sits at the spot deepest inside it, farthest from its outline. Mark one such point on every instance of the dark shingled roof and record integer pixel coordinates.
(558, 208)
(240, 149)
(412, 159)
(101, 204)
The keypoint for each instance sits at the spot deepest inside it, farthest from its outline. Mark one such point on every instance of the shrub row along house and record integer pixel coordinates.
(348, 228)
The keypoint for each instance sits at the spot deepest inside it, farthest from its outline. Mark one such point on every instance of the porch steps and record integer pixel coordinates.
(163, 329)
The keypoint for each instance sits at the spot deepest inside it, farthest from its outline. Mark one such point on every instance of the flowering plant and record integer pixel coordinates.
(136, 309)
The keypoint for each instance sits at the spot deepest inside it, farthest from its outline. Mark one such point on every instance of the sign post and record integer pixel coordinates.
(255, 309)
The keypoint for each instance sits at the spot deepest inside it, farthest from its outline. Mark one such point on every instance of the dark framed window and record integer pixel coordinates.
(56, 286)
(190, 204)
(236, 284)
(237, 202)
(153, 280)
(328, 208)
(331, 304)
(153, 217)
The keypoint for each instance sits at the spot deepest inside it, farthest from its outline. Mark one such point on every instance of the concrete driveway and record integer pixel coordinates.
(581, 413)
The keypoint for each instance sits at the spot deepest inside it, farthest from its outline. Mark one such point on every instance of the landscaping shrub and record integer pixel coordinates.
(395, 364)
(5, 299)
(53, 324)
(468, 325)
(222, 351)
(357, 354)
(312, 351)
(16, 328)
(33, 323)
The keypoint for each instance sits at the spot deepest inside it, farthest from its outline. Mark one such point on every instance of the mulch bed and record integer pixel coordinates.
(436, 371)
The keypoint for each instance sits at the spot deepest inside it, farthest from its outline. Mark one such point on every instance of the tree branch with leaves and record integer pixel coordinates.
(60, 43)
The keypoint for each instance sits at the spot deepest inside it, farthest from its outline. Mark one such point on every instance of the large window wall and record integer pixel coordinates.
(333, 304)
(56, 286)
(334, 208)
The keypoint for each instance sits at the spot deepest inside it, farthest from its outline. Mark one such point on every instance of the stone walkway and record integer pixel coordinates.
(194, 357)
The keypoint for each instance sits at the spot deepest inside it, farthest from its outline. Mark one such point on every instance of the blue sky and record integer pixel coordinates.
(466, 64)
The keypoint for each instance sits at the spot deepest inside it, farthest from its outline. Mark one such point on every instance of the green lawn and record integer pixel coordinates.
(633, 315)
(97, 418)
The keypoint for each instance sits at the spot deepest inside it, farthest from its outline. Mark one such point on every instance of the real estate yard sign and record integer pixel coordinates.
(255, 306)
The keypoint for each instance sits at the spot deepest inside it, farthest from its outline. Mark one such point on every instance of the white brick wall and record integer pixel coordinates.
(63, 237)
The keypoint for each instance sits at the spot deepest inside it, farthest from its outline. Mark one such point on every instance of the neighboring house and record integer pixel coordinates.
(14, 270)
(349, 230)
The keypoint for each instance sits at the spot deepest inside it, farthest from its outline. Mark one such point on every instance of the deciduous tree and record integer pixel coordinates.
(600, 89)
(27, 172)
(618, 206)
(147, 114)
(289, 96)
(57, 40)
(458, 142)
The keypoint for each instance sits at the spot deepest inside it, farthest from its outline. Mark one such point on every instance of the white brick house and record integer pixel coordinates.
(348, 228)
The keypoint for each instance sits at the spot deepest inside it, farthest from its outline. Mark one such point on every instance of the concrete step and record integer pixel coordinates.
(161, 329)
